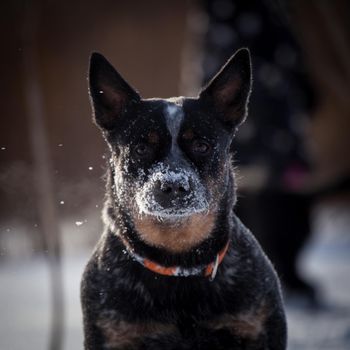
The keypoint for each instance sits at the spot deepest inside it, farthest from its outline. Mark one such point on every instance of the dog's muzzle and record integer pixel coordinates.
(171, 193)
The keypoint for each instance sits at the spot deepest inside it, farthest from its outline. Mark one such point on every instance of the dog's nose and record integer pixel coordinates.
(170, 193)
(174, 188)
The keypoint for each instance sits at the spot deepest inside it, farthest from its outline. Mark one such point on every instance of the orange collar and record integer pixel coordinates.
(206, 270)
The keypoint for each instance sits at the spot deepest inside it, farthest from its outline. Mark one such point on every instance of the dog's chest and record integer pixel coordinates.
(169, 316)
(222, 331)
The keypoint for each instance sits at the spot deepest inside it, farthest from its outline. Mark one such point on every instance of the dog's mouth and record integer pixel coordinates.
(177, 208)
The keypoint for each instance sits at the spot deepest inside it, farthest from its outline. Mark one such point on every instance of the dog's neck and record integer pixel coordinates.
(208, 270)
(205, 253)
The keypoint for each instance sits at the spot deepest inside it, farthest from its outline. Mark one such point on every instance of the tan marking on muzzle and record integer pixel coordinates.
(178, 237)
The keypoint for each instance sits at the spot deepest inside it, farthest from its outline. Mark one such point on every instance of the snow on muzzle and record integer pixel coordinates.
(172, 193)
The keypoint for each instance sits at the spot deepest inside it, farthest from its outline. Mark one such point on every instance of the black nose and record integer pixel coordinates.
(171, 193)
(174, 188)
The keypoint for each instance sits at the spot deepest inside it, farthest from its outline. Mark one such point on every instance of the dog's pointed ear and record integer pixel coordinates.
(110, 94)
(230, 89)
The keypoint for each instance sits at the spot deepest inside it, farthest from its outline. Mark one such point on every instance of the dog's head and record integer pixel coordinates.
(171, 158)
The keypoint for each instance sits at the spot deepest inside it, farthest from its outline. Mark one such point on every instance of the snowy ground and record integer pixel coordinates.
(25, 304)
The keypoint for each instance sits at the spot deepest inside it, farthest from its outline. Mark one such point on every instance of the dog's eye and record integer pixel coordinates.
(142, 149)
(200, 146)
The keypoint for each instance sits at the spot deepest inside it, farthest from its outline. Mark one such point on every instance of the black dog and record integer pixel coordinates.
(175, 268)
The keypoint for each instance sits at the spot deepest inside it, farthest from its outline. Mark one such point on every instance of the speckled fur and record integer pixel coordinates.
(126, 306)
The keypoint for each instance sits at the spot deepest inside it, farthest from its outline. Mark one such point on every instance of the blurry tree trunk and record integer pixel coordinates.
(42, 170)
(324, 32)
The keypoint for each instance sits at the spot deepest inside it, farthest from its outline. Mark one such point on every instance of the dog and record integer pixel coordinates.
(175, 268)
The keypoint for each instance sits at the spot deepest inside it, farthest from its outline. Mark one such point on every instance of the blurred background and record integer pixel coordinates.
(292, 153)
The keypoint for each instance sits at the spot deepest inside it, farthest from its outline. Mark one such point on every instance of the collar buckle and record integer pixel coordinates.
(215, 268)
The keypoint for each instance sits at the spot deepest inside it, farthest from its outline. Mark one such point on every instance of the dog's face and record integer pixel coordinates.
(170, 157)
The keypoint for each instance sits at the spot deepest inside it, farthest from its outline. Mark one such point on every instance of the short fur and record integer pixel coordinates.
(170, 197)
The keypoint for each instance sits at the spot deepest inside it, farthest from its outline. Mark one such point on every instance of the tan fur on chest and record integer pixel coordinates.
(249, 324)
(124, 335)
(178, 237)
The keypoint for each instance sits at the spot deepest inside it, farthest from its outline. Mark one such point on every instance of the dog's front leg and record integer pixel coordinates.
(276, 330)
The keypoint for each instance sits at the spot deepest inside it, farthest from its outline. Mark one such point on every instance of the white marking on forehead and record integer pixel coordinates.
(174, 116)
(176, 100)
